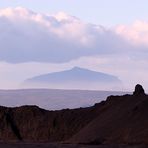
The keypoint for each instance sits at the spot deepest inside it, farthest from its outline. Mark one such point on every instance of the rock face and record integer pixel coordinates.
(138, 90)
(118, 120)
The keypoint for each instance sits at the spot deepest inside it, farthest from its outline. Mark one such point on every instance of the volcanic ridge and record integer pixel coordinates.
(118, 120)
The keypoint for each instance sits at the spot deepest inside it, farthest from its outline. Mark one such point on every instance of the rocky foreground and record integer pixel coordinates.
(49, 145)
(120, 121)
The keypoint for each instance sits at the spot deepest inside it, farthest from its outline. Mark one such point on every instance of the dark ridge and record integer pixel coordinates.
(118, 120)
(121, 120)
(31, 123)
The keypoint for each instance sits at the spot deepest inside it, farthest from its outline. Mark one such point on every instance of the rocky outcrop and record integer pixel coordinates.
(138, 90)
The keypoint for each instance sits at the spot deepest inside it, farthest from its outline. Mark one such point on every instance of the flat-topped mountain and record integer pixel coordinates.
(118, 120)
(76, 78)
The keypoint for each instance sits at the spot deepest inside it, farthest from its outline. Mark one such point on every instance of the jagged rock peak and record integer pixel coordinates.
(138, 90)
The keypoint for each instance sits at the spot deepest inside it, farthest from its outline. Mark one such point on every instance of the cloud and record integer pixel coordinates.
(28, 36)
(42, 39)
(137, 33)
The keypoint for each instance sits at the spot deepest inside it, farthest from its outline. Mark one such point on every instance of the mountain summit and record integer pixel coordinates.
(76, 78)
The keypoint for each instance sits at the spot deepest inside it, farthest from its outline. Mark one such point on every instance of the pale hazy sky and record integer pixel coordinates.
(104, 12)
(41, 36)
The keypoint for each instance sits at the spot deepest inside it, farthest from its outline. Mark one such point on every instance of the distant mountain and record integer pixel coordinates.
(76, 78)
(53, 99)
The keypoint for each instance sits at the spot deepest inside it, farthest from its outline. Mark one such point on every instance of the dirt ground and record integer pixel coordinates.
(49, 145)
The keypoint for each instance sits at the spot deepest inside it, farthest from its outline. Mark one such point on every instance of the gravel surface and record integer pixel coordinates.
(49, 145)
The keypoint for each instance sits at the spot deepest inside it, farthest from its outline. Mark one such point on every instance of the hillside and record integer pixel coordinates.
(31, 123)
(118, 120)
(121, 120)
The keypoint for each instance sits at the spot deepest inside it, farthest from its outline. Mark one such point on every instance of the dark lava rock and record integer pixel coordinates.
(121, 120)
(118, 120)
(138, 90)
(31, 123)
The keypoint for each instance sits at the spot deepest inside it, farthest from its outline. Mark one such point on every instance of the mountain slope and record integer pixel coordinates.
(118, 120)
(31, 123)
(76, 78)
(123, 120)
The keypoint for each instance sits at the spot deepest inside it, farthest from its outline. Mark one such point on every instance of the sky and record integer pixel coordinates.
(39, 36)
(104, 12)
